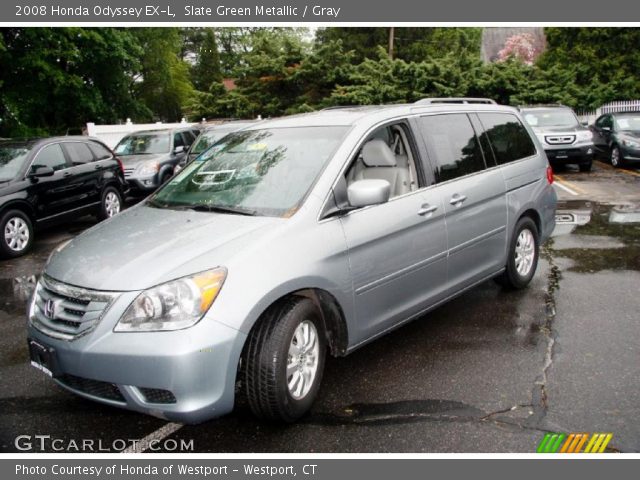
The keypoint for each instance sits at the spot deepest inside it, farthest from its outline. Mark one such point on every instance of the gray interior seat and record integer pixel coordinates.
(379, 162)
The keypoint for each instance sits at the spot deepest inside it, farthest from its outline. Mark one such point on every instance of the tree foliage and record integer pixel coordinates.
(55, 79)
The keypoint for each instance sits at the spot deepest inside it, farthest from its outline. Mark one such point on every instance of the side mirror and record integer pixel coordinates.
(178, 149)
(42, 171)
(368, 192)
(606, 129)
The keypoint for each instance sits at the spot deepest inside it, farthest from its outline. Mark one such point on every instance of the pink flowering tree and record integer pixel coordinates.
(522, 47)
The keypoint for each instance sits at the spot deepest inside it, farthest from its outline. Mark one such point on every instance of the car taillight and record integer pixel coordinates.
(549, 174)
(121, 165)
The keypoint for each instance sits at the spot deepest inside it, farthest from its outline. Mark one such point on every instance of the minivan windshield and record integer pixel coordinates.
(209, 137)
(266, 172)
(144, 143)
(12, 158)
(556, 117)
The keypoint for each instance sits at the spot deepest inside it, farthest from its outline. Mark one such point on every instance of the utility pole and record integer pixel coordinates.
(391, 39)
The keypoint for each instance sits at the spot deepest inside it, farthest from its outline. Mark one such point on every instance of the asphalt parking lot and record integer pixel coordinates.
(491, 371)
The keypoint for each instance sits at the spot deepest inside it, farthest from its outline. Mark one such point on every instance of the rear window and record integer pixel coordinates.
(453, 145)
(507, 136)
(101, 152)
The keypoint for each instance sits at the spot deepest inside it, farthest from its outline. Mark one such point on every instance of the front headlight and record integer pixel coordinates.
(173, 305)
(148, 168)
(630, 143)
(585, 136)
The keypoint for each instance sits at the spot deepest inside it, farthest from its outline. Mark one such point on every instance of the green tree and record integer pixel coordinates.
(207, 61)
(55, 79)
(163, 84)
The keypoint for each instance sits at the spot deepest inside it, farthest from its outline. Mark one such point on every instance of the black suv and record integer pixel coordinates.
(45, 181)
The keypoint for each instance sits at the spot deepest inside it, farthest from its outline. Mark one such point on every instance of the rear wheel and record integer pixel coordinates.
(285, 361)
(17, 233)
(111, 203)
(522, 259)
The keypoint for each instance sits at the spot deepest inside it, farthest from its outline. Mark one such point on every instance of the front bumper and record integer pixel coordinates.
(630, 154)
(570, 154)
(185, 375)
(146, 184)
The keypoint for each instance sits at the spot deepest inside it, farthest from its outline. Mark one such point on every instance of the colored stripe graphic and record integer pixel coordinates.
(572, 443)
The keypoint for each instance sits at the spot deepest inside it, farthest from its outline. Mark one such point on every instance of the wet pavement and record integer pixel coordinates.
(491, 371)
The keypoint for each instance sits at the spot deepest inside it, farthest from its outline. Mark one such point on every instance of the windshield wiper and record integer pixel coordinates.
(221, 209)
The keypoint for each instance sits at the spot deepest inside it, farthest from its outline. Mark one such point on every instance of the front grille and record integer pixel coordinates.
(560, 139)
(157, 395)
(96, 388)
(66, 312)
(128, 172)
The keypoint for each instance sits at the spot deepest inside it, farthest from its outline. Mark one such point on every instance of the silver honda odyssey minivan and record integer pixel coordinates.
(291, 240)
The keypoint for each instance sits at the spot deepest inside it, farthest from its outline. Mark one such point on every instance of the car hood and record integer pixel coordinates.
(635, 134)
(132, 161)
(146, 246)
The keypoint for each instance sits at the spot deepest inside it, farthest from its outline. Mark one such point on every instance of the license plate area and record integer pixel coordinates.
(43, 358)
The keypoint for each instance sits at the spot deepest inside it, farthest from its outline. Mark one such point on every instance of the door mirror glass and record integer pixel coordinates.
(368, 192)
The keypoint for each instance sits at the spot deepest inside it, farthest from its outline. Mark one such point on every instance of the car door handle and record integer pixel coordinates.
(426, 209)
(98, 167)
(66, 174)
(457, 199)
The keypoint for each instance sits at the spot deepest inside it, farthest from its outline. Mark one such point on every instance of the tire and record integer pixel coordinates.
(271, 369)
(17, 234)
(166, 176)
(110, 204)
(516, 275)
(615, 157)
(585, 167)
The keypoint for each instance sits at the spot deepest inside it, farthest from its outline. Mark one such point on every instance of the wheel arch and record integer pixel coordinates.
(331, 312)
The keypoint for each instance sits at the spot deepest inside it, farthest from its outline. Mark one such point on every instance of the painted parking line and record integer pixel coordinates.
(567, 186)
(606, 166)
(154, 437)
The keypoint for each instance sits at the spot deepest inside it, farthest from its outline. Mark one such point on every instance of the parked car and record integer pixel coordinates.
(293, 238)
(564, 139)
(208, 136)
(150, 156)
(46, 181)
(617, 137)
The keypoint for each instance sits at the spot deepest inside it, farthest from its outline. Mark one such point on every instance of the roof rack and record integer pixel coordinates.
(464, 100)
(542, 105)
(340, 107)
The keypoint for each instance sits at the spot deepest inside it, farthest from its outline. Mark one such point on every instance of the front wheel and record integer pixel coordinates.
(616, 158)
(285, 361)
(17, 233)
(523, 253)
(585, 167)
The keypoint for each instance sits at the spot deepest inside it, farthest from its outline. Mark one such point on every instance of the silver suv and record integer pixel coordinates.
(287, 241)
(563, 138)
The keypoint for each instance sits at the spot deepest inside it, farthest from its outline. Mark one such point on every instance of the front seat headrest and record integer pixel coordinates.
(376, 153)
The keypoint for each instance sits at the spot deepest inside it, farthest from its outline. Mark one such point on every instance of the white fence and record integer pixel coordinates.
(112, 134)
(590, 116)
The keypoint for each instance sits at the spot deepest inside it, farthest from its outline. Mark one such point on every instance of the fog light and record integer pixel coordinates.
(148, 183)
(589, 152)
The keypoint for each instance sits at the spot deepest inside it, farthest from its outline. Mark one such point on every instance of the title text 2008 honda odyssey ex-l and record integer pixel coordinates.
(292, 239)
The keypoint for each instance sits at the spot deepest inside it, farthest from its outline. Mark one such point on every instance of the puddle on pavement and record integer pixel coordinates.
(597, 237)
(16, 293)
